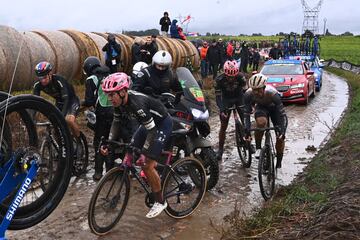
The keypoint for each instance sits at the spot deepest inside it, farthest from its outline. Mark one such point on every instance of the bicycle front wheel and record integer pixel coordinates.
(108, 201)
(81, 160)
(243, 147)
(266, 173)
(47, 189)
(184, 187)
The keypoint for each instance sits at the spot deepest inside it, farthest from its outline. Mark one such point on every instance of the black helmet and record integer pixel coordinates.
(43, 69)
(90, 64)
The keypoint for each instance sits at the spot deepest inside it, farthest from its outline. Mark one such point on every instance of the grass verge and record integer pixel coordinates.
(300, 208)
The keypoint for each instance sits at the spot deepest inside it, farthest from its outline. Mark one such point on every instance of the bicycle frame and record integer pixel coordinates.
(10, 180)
(129, 166)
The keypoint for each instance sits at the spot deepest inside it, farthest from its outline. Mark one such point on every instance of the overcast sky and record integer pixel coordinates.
(230, 17)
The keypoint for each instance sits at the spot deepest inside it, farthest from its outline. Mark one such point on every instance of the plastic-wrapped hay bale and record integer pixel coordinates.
(100, 43)
(192, 51)
(40, 50)
(87, 47)
(10, 42)
(66, 53)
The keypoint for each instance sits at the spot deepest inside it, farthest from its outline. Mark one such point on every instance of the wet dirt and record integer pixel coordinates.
(308, 126)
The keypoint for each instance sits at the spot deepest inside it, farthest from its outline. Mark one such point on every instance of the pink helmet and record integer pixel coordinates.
(115, 82)
(231, 68)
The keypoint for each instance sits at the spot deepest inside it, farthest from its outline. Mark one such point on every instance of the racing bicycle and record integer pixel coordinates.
(49, 148)
(183, 187)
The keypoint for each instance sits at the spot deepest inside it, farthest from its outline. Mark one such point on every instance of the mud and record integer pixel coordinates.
(308, 126)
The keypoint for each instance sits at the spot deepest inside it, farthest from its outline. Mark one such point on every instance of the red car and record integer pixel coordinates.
(292, 78)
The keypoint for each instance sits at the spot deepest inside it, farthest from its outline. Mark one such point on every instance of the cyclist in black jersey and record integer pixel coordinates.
(267, 102)
(152, 135)
(229, 92)
(158, 77)
(63, 92)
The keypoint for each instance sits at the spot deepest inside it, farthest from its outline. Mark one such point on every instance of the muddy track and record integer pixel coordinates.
(308, 126)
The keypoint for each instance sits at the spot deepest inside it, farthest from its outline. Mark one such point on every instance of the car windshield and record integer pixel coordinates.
(282, 69)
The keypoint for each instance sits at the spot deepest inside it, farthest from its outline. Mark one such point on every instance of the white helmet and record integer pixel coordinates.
(138, 67)
(162, 58)
(257, 81)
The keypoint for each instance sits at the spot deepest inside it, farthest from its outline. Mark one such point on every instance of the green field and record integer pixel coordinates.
(340, 48)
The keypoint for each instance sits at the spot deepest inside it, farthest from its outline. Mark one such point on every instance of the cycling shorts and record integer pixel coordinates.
(153, 149)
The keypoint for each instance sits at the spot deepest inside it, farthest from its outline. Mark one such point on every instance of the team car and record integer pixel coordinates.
(315, 65)
(292, 78)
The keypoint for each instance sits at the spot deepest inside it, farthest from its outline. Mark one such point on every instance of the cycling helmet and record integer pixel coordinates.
(90, 64)
(162, 58)
(231, 68)
(138, 67)
(257, 81)
(42, 69)
(115, 82)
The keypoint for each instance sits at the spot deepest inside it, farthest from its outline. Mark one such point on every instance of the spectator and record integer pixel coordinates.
(204, 65)
(113, 53)
(251, 52)
(135, 50)
(165, 22)
(174, 33)
(181, 33)
(147, 51)
(230, 50)
(222, 50)
(153, 42)
(275, 52)
(244, 56)
(214, 57)
(256, 59)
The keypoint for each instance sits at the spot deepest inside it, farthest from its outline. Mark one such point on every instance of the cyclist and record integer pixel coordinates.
(63, 92)
(94, 97)
(229, 92)
(158, 77)
(267, 102)
(152, 135)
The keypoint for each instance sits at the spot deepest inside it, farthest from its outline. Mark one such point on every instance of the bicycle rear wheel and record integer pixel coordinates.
(180, 189)
(242, 146)
(108, 201)
(40, 199)
(81, 162)
(266, 173)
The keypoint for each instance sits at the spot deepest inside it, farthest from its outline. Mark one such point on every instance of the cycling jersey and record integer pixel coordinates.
(63, 93)
(268, 105)
(228, 91)
(159, 81)
(156, 124)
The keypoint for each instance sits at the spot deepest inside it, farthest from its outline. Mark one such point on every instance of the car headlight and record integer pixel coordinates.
(299, 85)
(200, 114)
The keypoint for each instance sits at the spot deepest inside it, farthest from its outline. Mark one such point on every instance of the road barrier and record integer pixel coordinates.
(345, 65)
